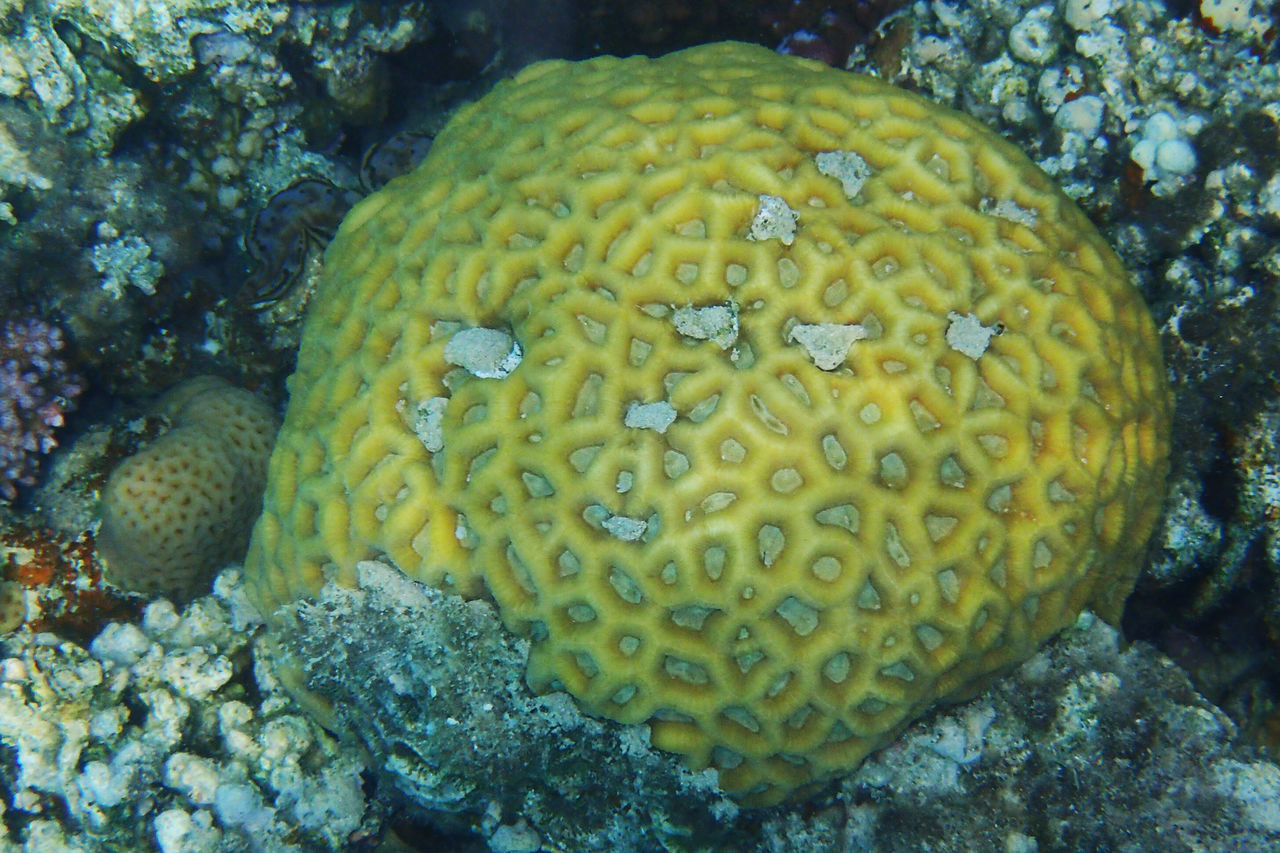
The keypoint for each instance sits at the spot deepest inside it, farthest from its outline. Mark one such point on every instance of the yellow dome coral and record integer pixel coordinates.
(773, 402)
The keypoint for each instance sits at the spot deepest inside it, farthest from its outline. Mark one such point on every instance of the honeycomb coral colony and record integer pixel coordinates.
(771, 272)
(744, 408)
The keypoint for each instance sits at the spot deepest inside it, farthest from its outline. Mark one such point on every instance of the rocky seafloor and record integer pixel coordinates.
(169, 173)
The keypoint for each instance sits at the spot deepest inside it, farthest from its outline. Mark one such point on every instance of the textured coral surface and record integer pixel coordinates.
(772, 486)
(182, 507)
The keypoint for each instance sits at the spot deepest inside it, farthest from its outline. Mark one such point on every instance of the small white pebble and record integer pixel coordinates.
(1237, 16)
(517, 838)
(13, 669)
(177, 832)
(107, 723)
(1016, 842)
(1032, 39)
(195, 777)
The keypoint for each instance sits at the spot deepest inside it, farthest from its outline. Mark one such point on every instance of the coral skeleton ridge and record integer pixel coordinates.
(744, 481)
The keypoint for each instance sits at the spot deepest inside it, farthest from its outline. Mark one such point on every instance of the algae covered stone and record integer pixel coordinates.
(820, 541)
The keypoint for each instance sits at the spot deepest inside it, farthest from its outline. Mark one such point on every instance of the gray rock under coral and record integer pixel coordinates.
(434, 687)
(1086, 746)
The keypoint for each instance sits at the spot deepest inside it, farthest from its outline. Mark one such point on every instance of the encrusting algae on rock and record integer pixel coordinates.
(838, 517)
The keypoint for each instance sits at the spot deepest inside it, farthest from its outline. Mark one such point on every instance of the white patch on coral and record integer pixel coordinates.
(625, 528)
(484, 353)
(427, 423)
(658, 416)
(774, 218)
(967, 335)
(827, 343)
(1010, 210)
(847, 167)
(716, 323)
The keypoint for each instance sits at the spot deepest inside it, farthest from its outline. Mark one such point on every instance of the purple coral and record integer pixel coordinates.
(36, 391)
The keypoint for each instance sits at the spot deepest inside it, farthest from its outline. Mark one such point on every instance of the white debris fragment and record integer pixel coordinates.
(717, 323)
(1085, 14)
(1269, 197)
(1010, 210)
(659, 415)
(177, 831)
(827, 343)
(1164, 152)
(517, 838)
(774, 218)
(967, 335)
(1033, 38)
(121, 644)
(847, 167)
(484, 353)
(126, 261)
(625, 528)
(427, 423)
(1238, 16)
(1082, 116)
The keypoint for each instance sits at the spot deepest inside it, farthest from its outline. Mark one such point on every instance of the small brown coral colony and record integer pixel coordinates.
(183, 506)
(772, 402)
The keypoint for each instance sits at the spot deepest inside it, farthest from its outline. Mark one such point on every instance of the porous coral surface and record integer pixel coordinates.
(773, 493)
(182, 507)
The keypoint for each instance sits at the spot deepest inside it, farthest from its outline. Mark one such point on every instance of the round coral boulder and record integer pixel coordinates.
(773, 403)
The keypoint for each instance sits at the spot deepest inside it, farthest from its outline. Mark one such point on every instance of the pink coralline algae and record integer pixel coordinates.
(36, 391)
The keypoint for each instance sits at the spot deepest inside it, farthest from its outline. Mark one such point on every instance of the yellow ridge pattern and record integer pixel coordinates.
(772, 493)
